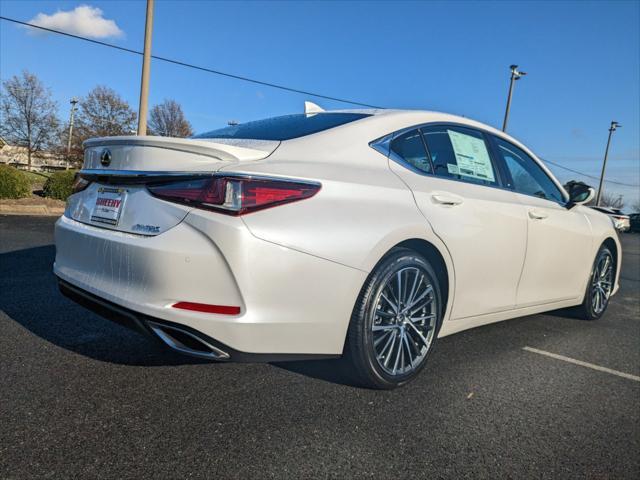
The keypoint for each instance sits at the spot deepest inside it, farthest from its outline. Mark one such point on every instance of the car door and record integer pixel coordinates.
(559, 240)
(458, 189)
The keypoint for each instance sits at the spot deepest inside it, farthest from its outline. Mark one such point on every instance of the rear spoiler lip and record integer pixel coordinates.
(138, 176)
(219, 151)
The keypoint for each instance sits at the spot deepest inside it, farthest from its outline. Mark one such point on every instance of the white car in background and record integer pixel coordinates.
(366, 234)
(621, 222)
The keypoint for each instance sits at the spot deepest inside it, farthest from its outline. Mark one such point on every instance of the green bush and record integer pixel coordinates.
(37, 179)
(13, 183)
(59, 184)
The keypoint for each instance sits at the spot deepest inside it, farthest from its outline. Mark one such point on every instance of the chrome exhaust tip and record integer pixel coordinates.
(186, 342)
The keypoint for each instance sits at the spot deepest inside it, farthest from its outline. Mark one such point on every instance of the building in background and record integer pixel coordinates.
(17, 156)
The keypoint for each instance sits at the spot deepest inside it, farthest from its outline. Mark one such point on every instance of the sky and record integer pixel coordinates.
(582, 60)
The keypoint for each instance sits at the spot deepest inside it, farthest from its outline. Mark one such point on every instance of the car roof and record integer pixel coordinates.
(409, 118)
(386, 121)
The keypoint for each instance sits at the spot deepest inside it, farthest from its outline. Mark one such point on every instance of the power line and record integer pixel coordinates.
(250, 80)
(196, 67)
(589, 176)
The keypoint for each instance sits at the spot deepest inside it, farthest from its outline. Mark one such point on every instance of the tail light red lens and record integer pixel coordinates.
(234, 195)
(79, 184)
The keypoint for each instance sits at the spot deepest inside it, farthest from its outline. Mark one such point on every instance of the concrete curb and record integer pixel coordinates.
(41, 210)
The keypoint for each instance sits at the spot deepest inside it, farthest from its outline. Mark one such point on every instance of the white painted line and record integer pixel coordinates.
(583, 364)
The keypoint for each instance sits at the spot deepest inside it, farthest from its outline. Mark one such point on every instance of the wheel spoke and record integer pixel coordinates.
(419, 333)
(431, 316)
(597, 300)
(390, 343)
(600, 300)
(403, 361)
(385, 327)
(382, 313)
(392, 304)
(409, 351)
(380, 338)
(605, 267)
(400, 292)
(426, 292)
(398, 352)
(422, 304)
(417, 276)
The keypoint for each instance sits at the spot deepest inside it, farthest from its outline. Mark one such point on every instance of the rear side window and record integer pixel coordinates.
(460, 153)
(285, 127)
(526, 175)
(410, 148)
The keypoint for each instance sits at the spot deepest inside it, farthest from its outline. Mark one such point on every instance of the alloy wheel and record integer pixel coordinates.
(404, 321)
(601, 283)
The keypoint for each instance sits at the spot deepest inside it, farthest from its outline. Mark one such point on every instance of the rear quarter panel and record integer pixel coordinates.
(361, 212)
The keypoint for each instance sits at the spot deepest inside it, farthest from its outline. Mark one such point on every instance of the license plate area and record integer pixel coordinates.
(108, 206)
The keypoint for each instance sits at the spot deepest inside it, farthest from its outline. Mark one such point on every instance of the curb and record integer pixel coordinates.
(41, 210)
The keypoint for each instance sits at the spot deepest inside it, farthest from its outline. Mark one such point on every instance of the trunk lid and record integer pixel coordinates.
(119, 167)
(146, 153)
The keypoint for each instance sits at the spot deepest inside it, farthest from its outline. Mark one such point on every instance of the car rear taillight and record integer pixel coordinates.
(79, 184)
(234, 195)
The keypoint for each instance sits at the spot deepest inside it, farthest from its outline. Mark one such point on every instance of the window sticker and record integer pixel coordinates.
(453, 168)
(472, 156)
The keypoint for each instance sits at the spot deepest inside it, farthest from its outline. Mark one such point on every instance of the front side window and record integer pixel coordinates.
(460, 153)
(410, 148)
(527, 176)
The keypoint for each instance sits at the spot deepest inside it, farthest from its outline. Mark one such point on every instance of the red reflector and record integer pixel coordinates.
(203, 307)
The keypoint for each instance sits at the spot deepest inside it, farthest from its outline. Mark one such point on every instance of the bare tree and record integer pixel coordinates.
(635, 208)
(103, 113)
(612, 201)
(168, 120)
(28, 114)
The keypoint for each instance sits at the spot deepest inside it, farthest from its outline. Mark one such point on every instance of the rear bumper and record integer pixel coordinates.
(292, 304)
(145, 324)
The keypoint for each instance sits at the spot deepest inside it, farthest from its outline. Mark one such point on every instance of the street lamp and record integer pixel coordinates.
(146, 66)
(612, 129)
(74, 102)
(515, 75)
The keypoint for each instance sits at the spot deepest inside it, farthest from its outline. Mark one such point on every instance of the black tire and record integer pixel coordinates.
(366, 362)
(591, 309)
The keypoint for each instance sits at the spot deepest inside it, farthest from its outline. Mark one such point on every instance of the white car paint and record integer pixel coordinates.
(296, 270)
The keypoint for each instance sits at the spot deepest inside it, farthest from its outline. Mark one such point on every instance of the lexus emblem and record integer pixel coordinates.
(105, 157)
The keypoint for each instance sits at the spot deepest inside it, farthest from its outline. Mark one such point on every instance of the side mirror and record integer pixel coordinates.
(579, 193)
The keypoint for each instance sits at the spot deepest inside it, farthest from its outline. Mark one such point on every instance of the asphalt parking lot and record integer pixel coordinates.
(81, 397)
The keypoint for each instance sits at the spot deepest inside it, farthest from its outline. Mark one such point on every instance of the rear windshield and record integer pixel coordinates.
(285, 127)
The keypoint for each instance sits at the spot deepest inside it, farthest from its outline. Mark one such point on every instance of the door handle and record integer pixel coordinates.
(448, 199)
(537, 214)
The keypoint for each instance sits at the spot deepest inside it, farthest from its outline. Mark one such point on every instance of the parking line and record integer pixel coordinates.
(583, 364)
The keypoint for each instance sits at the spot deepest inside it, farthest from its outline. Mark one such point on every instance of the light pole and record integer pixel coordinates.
(146, 65)
(612, 129)
(515, 75)
(74, 102)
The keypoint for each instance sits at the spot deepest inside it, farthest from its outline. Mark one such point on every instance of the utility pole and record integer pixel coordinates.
(146, 65)
(74, 102)
(612, 129)
(515, 75)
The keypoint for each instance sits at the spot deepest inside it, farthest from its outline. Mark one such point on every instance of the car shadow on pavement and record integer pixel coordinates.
(29, 296)
(332, 371)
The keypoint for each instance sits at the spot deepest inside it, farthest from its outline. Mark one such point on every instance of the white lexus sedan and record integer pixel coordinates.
(366, 234)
